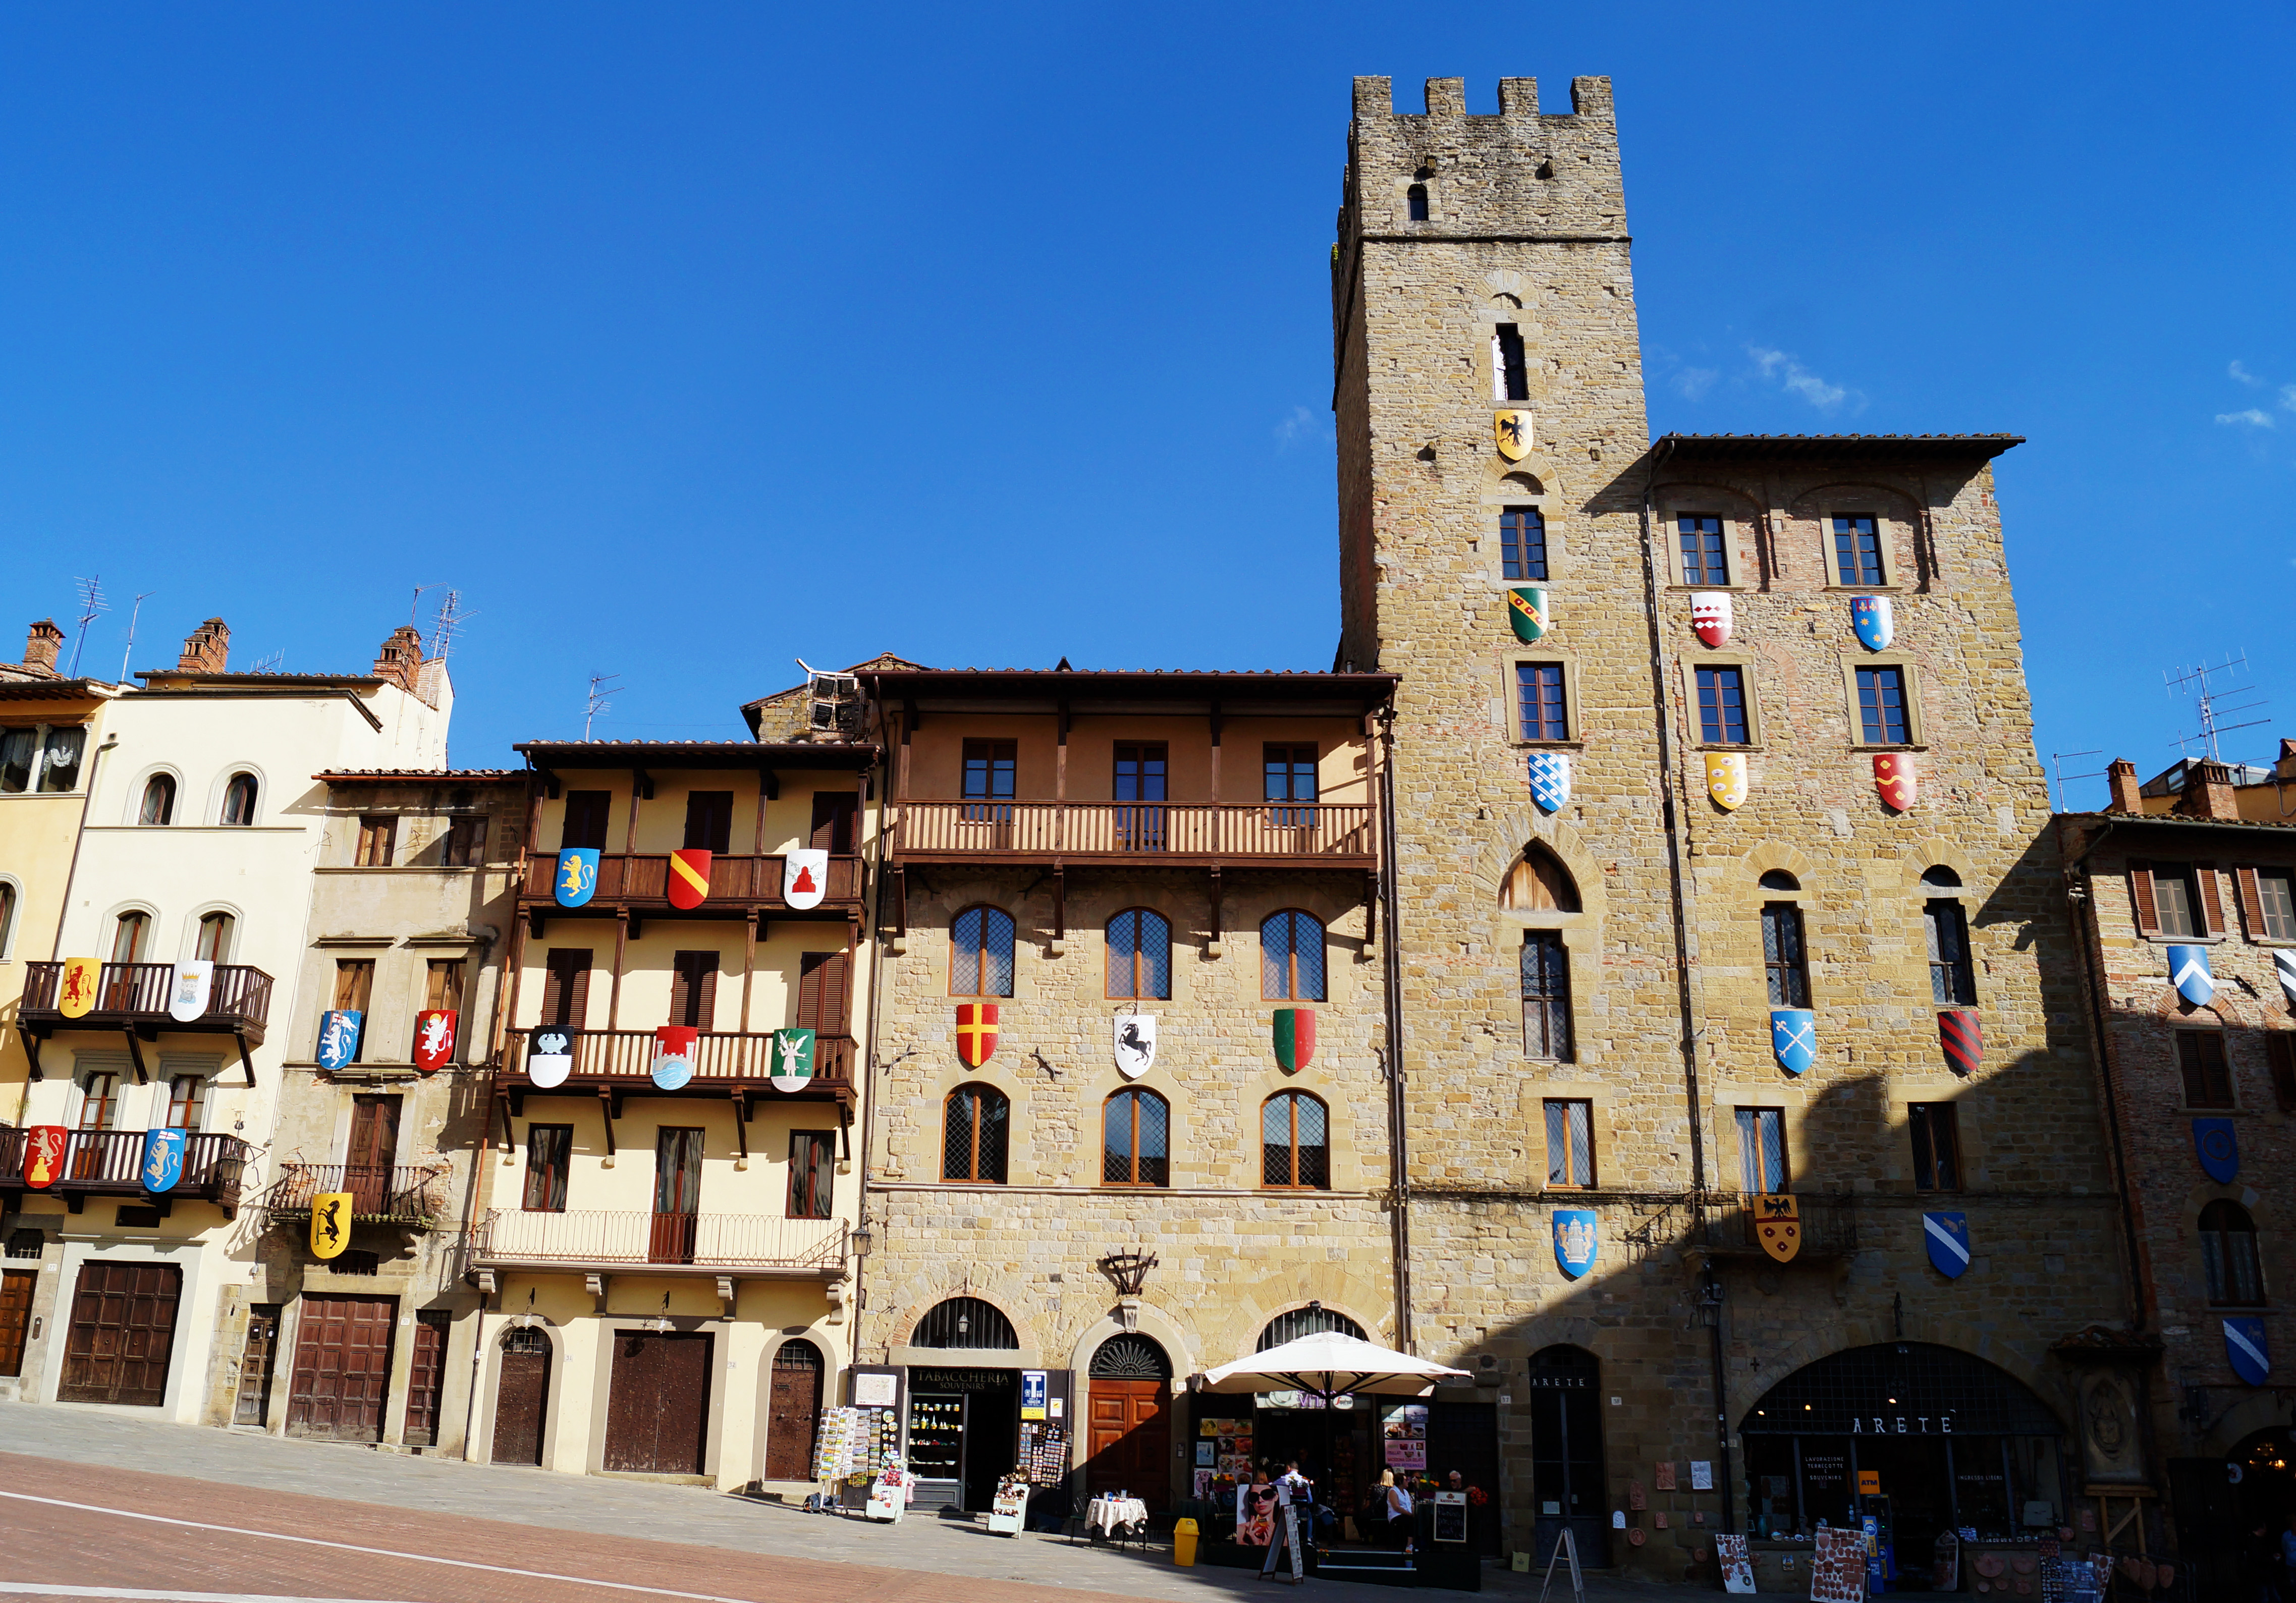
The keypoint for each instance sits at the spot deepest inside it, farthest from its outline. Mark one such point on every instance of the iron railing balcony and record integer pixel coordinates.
(1732, 1222)
(726, 1063)
(1318, 834)
(132, 998)
(109, 1163)
(406, 1194)
(603, 1241)
(638, 883)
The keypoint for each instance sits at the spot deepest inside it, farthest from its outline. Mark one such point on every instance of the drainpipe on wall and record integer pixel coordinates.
(2081, 893)
(1399, 1151)
(877, 959)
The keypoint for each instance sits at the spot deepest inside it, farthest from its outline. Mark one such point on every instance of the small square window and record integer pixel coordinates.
(2175, 907)
(1540, 711)
(2200, 1062)
(1881, 706)
(1570, 1144)
(1522, 543)
(1857, 551)
(1936, 1147)
(1704, 561)
(376, 837)
(1722, 706)
(2275, 899)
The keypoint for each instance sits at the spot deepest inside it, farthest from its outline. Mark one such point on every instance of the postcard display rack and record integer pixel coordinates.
(1044, 1451)
(854, 1440)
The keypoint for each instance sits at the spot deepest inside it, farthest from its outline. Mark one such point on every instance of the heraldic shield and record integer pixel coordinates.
(976, 1033)
(76, 986)
(1793, 1038)
(673, 1055)
(1710, 617)
(1777, 1225)
(163, 1159)
(1134, 1036)
(576, 879)
(805, 877)
(2250, 1351)
(1512, 430)
(1576, 1234)
(689, 878)
(1550, 780)
(2283, 964)
(2189, 972)
(1895, 778)
(434, 1039)
(1726, 779)
(1529, 612)
(331, 1224)
(1963, 1040)
(44, 1155)
(2220, 1149)
(1295, 1038)
(1870, 616)
(792, 1068)
(189, 988)
(549, 1058)
(339, 1037)
(1946, 1236)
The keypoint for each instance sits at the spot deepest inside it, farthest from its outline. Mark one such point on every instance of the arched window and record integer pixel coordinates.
(975, 1120)
(159, 805)
(129, 936)
(1295, 1147)
(1139, 956)
(1416, 196)
(1311, 1320)
(980, 953)
(1941, 877)
(1539, 883)
(1546, 996)
(1778, 878)
(965, 1322)
(1135, 1139)
(239, 799)
(1291, 957)
(1130, 1357)
(7, 917)
(215, 937)
(2228, 1253)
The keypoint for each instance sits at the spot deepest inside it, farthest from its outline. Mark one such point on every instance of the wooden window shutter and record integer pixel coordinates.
(566, 992)
(679, 990)
(2252, 904)
(822, 992)
(2211, 908)
(2140, 887)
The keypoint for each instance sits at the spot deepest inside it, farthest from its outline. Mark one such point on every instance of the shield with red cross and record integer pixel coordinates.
(976, 1032)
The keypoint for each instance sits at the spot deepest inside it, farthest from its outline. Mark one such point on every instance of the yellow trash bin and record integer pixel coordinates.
(1184, 1543)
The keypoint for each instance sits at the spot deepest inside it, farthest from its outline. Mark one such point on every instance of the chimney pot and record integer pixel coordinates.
(206, 649)
(43, 645)
(400, 660)
(2209, 793)
(2120, 774)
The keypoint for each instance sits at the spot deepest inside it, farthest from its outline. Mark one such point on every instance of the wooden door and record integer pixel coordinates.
(793, 1412)
(122, 1334)
(342, 1377)
(521, 1397)
(426, 1377)
(373, 1148)
(835, 815)
(656, 1413)
(1131, 1439)
(257, 1361)
(16, 1286)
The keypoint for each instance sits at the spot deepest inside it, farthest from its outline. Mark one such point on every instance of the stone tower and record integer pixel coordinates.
(1582, 990)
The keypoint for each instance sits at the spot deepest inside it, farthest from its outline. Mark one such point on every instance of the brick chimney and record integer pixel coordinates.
(2209, 793)
(206, 649)
(2120, 773)
(2286, 768)
(43, 645)
(400, 660)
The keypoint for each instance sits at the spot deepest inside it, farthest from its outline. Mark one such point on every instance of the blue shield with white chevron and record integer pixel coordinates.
(1946, 1236)
(1870, 617)
(2250, 1353)
(1793, 1038)
(2188, 971)
(1550, 780)
(1576, 1235)
(2284, 963)
(2220, 1149)
(163, 1159)
(578, 876)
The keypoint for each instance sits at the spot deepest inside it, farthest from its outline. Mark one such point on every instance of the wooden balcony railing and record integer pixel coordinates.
(1278, 831)
(128, 993)
(707, 1242)
(641, 881)
(109, 1163)
(1829, 1226)
(722, 1058)
(384, 1193)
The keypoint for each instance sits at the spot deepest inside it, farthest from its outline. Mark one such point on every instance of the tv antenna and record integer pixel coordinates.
(2216, 705)
(603, 690)
(449, 618)
(132, 617)
(92, 606)
(265, 665)
(2057, 764)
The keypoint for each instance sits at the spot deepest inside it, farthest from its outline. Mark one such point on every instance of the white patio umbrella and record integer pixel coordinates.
(1329, 1365)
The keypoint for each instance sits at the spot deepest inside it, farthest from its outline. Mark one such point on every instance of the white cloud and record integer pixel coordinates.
(1792, 376)
(1302, 424)
(2254, 417)
(2244, 375)
(2288, 396)
(1692, 382)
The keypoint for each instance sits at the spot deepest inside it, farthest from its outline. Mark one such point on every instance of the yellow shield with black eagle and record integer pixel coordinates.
(1512, 429)
(1777, 1225)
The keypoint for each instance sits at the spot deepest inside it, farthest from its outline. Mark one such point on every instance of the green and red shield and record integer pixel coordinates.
(689, 878)
(1295, 1038)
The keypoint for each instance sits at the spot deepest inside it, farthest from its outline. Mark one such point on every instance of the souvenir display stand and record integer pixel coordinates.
(889, 1493)
(1010, 1512)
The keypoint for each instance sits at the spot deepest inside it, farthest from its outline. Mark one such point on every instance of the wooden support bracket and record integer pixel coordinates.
(135, 1054)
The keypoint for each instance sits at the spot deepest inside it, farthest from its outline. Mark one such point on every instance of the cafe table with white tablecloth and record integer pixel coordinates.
(1109, 1515)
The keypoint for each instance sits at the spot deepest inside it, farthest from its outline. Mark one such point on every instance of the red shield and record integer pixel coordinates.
(689, 877)
(976, 1032)
(1963, 1040)
(44, 1155)
(1709, 618)
(434, 1039)
(1894, 778)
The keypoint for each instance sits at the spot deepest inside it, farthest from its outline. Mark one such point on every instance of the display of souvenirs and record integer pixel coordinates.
(854, 1441)
(1043, 1451)
(935, 1434)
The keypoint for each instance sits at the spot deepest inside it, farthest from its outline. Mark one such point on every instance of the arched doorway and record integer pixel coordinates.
(792, 1412)
(965, 1418)
(1131, 1421)
(522, 1396)
(1568, 1485)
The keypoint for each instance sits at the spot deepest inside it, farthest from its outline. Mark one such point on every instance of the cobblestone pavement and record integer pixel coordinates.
(95, 1505)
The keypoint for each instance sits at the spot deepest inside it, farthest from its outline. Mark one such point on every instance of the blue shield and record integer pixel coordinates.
(2219, 1151)
(163, 1159)
(578, 875)
(1871, 615)
(1575, 1238)
(2188, 971)
(2250, 1353)
(1550, 780)
(1946, 1236)
(339, 1037)
(1793, 1038)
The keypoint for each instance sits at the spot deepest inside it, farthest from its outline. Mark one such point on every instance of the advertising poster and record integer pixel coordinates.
(1404, 1432)
(1032, 1393)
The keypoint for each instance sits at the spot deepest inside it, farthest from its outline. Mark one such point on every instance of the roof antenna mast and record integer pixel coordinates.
(603, 690)
(2215, 705)
(132, 617)
(92, 606)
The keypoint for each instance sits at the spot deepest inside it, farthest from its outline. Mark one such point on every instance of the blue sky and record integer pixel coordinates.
(684, 341)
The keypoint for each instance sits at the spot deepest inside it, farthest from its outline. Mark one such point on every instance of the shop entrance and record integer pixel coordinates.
(658, 1407)
(1131, 1421)
(963, 1434)
(1567, 1478)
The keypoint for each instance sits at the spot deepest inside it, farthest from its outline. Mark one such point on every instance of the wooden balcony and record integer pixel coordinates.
(616, 1064)
(638, 883)
(109, 1163)
(1310, 835)
(403, 1194)
(132, 998)
(1829, 1229)
(602, 1242)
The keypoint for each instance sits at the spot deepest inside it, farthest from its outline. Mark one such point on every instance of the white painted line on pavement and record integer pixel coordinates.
(41, 1589)
(349, 1547)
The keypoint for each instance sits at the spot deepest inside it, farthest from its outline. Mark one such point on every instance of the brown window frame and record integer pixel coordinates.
(566, 973)
(134, 926)
(2267, 924)
(708, 822)
(1551, 1008)
(1135, 1097)
(2228, 1272)
(1785, 970)
(2204, 1066)
(378, 839)
(1135, 990)
(2280, 1057)
(464, 843)
(2204, 901)
(213, 942)
(812, 1174)
(355, 992)
(1292, 991)
(443, 981)
(242, 795)
(693, 989)
(980, 953)
(163, 787)
(587, 819)
(1294, 1164)
(979, 1098)
(549, 1168)
(1936, 1161)
(1580, 1109)
(187, 1100)
(105, 1102)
